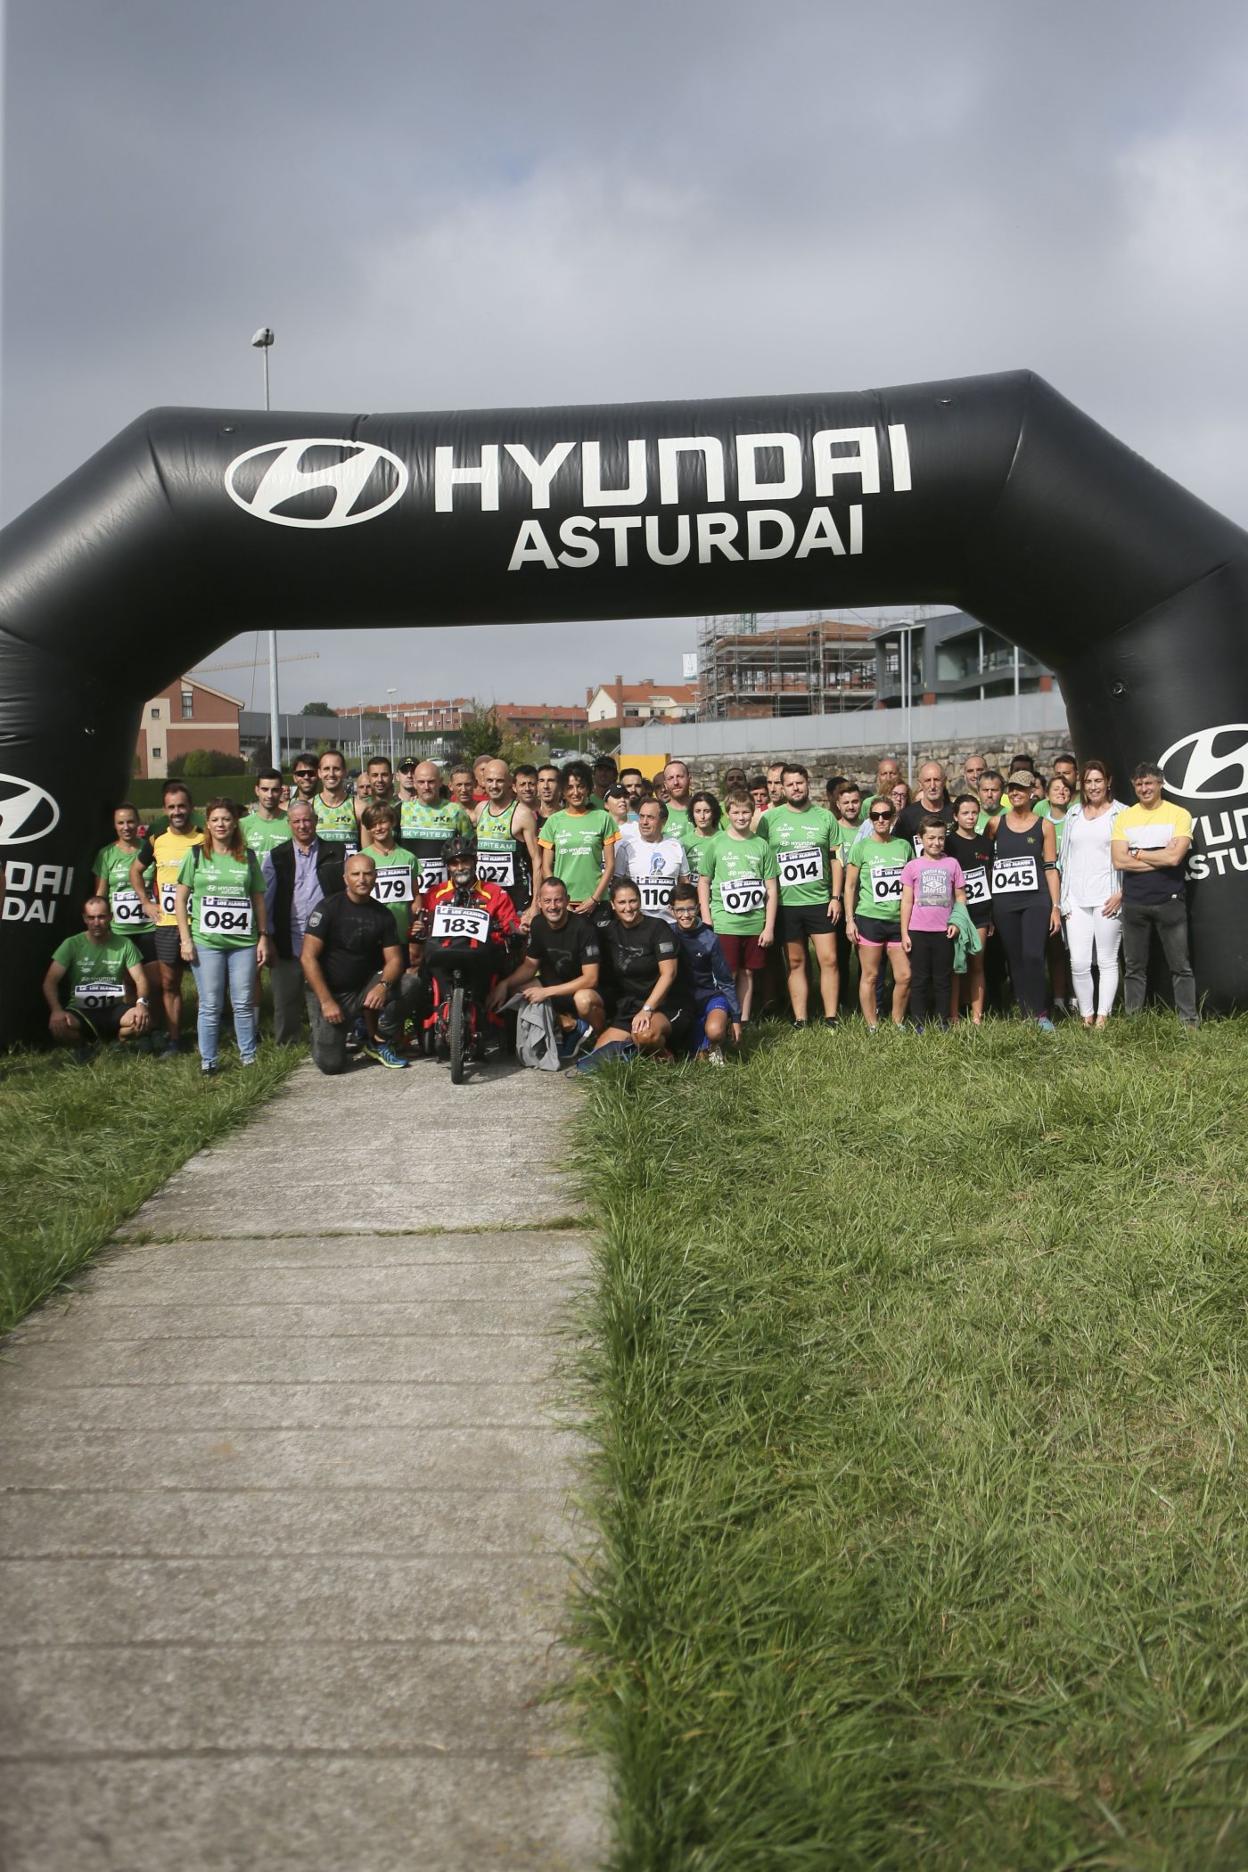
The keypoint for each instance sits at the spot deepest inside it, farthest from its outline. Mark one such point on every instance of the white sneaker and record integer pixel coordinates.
(715, 1056)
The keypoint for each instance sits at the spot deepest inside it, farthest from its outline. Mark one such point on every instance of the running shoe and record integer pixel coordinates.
(358, 1037)
(575, 1041)
(384, 1055)
(208, 1069)
(715, 1056)
(1045, 1025)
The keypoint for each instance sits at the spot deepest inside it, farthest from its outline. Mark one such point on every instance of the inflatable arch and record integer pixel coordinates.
(991, 493)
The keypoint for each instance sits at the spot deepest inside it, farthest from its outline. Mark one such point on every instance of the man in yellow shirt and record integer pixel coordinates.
(168, 849)
(1150, 844)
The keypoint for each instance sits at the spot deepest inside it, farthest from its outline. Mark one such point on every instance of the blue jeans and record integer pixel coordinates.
(213, 968)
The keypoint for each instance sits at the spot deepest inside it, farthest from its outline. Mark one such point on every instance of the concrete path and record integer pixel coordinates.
(285, 1518)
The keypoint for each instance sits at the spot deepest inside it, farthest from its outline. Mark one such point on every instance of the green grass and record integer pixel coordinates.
(85, 1145)
(918, 1397)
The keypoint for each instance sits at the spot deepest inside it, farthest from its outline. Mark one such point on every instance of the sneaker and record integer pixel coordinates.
(208, 1069)
(358, 1037)
(715, 1056)
(172, 1049)
(799, 1024)
(248, 1062)
(1045, 1025)
(573, 1043)
(384, 1055)
(830, 1020)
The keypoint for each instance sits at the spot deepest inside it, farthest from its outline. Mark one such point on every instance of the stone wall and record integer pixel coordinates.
(860, 763)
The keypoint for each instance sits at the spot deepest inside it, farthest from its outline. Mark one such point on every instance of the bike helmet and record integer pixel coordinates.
(459, 847)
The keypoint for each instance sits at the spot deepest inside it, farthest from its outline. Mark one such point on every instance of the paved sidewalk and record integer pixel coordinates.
(284, 1515)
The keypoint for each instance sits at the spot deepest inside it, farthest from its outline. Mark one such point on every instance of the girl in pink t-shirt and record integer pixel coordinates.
(930, 886)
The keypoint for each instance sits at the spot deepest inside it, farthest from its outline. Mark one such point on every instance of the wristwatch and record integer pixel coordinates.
(140, 1001)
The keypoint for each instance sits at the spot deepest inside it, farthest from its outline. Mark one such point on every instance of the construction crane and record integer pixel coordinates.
(211, 669)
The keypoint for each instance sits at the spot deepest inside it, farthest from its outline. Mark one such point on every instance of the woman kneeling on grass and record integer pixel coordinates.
(647, 1011)
(221, 924)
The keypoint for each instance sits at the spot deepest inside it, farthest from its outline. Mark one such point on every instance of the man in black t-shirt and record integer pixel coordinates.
(932, 797)
(560, 966)
(353, 966)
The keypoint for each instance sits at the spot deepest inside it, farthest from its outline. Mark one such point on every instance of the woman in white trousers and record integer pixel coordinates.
(1092, 894)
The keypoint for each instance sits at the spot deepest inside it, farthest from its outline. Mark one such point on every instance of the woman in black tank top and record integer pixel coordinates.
(1024, 896)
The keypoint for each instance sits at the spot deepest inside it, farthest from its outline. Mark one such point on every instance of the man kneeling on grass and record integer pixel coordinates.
(353, 966)
(107, 984)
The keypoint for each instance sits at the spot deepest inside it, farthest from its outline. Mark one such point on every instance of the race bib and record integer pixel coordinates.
(977, 891)
(461, 923)
(124, 907)
(743, 897)
(224, 916)
(886, 886)
(801, 864)
(394, 885)
(656, 893)
(98, 994)
(1012, 876)
(496, 867)
(169, 899)
(432, 871)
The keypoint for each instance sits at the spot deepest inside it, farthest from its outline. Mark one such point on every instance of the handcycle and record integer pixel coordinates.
(457, 1024)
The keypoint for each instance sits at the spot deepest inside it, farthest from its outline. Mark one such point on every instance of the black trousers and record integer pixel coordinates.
(931, 976)
(329, 1038)
(1024, 933)
(1169, 920)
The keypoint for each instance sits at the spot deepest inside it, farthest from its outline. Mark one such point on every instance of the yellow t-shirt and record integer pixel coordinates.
(1151, 828)
(169, 850)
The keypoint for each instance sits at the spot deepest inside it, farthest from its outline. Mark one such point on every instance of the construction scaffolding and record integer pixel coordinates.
(822, 667)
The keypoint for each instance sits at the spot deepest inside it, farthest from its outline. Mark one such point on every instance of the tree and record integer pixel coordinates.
(316, 708)
(481, 732)
(198, 763)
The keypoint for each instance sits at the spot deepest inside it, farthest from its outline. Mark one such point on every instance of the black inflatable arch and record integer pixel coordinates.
(992, 493)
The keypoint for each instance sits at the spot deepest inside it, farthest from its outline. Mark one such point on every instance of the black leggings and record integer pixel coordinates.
(1024, 933)
(931, 976)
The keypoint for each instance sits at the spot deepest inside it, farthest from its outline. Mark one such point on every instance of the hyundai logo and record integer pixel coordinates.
(1210, 765)
(342, 484)
(27, 813)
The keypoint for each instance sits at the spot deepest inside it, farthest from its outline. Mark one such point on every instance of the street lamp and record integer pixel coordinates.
(361, 737)
(263, 342)
(390, 713)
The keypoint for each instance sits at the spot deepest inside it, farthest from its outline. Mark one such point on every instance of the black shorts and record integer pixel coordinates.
(799, 922)
(879, 931)
(168, 944)
(676, 1013)
(104, 1023)
(145, 942)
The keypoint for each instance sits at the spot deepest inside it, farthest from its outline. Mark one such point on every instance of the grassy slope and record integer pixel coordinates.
(919, 1396)
(83, 1146)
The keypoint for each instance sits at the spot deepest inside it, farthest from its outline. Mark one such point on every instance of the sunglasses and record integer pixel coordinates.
(881, 816)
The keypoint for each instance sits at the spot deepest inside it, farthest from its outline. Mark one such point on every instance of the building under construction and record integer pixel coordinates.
(822, 667)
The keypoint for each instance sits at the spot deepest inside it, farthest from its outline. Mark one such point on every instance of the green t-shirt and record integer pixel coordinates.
(804, 843)
(578, 841)
(398, 882)
(738, 869)
(112, 864)
(95, 973)
(678, 824)
(222, 913)
(424, 829)
(261, 835)
(880, 863)
(337, 825)
(696, 846)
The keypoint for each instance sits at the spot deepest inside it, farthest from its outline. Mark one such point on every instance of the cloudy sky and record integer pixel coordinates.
(523, 202)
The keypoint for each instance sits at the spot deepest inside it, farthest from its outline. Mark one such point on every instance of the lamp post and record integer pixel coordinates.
(263, 342)
(390, 713)
(361, 737)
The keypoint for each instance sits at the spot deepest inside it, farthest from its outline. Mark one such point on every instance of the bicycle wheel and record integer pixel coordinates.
(458, 1023)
